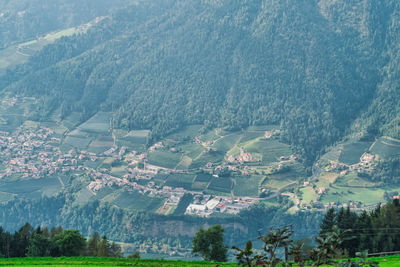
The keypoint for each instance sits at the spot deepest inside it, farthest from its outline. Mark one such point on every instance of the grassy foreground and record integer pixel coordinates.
(93, 261)
(97, 262)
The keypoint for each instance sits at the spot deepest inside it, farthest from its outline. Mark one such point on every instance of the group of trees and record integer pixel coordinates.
(343, 234)
(375, 231)
(209, 244)
(137, 227)
(55, 242)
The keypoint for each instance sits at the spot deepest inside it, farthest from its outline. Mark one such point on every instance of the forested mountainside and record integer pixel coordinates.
(27, 19)
(138, 228)
(312, 66)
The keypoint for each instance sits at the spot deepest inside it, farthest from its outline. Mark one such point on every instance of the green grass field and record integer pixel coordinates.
(189, 132)
(136, 201)
(99, 123)
(368, 196)
(270, 150)
(191, 150)
(180, 180)
(184, 163)
(164, 159)
(221, 184)
(351, 179)
(247, 185)
(100, 262)
(216, 157)
(32, 187)
(308, 194)
(226, 143)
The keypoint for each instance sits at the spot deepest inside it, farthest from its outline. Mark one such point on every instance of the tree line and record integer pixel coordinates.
(343, 234)
(54, 242)
(375, 231)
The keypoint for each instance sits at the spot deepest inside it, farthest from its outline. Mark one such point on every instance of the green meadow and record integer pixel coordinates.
(383, 261)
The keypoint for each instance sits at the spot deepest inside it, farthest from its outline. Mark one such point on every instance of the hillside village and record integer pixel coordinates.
(35, 153)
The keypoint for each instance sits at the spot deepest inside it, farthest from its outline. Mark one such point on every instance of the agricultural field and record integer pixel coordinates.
(135, 140)
(352, 152)
(184, 163)
(326, 179)
(98, 124)
(180, 180)
(227, 142)
(351, 179)
(187, 133)
(283, 179)
(165, 159)
(174, 161)
(386, 147)
(247, 185)
(191, 150)
(136, 201)
(308, 194)
(367, 196)
(31, 188)
(215, 157)
(221, 184)
(271, 150)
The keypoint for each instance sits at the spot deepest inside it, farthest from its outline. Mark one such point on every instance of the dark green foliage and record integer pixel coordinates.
(328, 222)
(92, 245)
(328, 246)
(183, 204)
(376, 231)
(388, 171)
(27, 19)
(39, 246)
(311, 68)
(134, 255)
(136, 227)
(274, 240)
(247, 257)
(209, 244)
(57, 242)
(69, 243)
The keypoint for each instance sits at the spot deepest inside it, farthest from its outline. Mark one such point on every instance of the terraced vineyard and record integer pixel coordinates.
(121, 167)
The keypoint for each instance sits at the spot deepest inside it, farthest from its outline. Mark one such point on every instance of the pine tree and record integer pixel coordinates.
(328, 222)
(103, 249)
(93, 244)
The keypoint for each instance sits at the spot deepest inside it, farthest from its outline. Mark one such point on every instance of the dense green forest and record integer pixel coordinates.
(319, 69)
(140, 227)
(312, 66)
(28, 19)
(374, 231)
(55, 242)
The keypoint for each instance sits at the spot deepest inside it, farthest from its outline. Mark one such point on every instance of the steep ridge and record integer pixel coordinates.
(311, 66)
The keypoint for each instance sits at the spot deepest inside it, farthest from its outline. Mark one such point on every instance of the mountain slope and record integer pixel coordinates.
(311, 66)
(27, 19)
